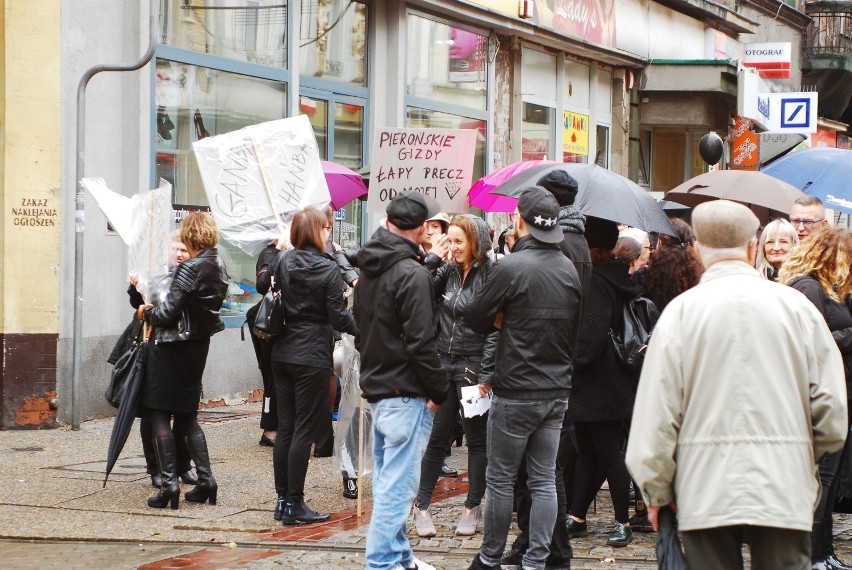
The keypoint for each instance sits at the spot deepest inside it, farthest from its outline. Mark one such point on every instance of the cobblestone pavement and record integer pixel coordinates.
(56, 513)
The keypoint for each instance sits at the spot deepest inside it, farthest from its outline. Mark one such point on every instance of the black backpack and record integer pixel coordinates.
(630, 337)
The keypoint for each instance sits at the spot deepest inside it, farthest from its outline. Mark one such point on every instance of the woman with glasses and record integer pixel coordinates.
(776, 241)
(819, 268)
(314, 307)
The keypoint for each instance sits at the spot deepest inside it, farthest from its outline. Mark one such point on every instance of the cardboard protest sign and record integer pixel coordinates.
(256, 178)
(435, 162)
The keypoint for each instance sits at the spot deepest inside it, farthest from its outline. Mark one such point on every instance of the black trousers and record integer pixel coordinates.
(600, 447)
(771, 548)
(303, 398)
(269, 411)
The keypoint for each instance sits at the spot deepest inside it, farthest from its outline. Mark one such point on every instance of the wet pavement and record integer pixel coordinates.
(56, 513)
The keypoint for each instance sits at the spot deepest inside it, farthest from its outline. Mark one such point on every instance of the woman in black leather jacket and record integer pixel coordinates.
(183, 323)
(314, 307)
(468, 358)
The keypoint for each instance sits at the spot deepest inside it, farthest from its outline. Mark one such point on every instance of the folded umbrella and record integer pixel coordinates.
(822, 172)
(344, 184)
(766, 196)
(129, 404)
(602, 193)
(669, 552)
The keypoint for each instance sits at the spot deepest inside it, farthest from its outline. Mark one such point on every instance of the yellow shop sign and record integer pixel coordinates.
(575, 137)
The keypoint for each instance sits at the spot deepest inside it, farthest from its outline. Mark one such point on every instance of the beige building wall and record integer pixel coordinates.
(29, 227)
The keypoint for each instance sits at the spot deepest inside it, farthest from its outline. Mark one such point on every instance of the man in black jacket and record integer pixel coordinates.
(534, 295)
(401, 374)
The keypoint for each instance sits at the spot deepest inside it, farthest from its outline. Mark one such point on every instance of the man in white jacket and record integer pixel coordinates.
(742, 392)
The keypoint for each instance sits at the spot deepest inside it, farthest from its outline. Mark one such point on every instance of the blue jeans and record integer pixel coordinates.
(401, 428)
(518, 428)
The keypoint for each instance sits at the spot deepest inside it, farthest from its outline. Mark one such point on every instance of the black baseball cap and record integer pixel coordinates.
(408, 210)
(540, 211)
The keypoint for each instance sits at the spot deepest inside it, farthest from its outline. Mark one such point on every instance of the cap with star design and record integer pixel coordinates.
(540, 211)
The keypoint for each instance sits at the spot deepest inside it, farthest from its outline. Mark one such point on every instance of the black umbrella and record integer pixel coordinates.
(602, 193)
(669, 552)
(129, 403)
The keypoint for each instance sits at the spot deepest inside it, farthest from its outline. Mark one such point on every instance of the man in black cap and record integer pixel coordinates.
(564, 188)
(533, 296)
(401, 374)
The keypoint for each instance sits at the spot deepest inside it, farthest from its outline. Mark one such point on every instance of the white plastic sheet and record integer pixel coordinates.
(346, 434)
(256, 178)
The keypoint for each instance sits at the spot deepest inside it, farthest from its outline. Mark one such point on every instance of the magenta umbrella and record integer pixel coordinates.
(344, 184)
(479, 194)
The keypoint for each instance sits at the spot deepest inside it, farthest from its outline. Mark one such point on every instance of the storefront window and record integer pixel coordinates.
(193, 103)
(349, 135)
(333, 40)
(602, 154)
(446, 63)
(254, 31)
(427, 119)
(537, 128)
(317, 113)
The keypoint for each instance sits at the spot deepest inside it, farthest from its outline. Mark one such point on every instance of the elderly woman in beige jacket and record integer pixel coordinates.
(742, 392)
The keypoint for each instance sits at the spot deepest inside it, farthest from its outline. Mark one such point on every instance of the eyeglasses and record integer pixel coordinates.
(806, 223)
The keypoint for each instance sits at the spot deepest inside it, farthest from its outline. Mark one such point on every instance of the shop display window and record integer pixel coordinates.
(333, 40)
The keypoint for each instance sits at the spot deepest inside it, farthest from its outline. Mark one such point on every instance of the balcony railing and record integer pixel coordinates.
(831, 29)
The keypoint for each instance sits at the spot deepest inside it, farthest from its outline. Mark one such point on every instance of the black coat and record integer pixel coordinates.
(576, 248)
(394, 308)
(190, 310)
(603, 389)
(314, 307)
(455, 335)
(837, 317)
(538, 291)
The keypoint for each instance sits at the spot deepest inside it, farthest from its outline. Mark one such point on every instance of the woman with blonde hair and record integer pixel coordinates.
(776, 241)
(184, 320)
(314, 307)
(820, 269)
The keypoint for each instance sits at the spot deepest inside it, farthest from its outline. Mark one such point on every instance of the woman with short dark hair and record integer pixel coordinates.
(314, 307)
(183, 323)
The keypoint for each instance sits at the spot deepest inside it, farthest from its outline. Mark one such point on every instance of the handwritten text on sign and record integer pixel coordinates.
(435, 162)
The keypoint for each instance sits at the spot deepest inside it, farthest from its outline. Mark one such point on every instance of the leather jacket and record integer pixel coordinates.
(190, 310)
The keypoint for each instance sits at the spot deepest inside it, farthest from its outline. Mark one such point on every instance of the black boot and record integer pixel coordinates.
(350, 488)
(166, 458)
(207, 488)
(279, 507)
(297, 512)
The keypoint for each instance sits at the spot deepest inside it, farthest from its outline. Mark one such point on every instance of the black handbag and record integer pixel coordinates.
(269, 317)
(121, 372)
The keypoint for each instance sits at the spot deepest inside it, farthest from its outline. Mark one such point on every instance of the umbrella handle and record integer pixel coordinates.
(146, 334)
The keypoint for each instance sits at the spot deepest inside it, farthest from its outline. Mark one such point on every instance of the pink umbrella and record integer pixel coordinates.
(479, 194)
(344, 184)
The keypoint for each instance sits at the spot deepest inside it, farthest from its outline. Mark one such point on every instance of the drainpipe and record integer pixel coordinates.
(79, 222)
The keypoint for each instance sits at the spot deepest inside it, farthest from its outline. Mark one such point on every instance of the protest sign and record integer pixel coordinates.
(435, 162)
(256, 178)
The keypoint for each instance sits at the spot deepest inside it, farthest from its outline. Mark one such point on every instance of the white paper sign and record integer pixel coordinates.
(435, 162)
(473, 402)
(256, 178)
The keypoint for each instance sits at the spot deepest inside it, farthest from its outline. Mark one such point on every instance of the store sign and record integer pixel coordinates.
(793, 113)
(435, 162)
(770, 60)
(592, 21)
(745, 148)
(575, 136)
(753, 98)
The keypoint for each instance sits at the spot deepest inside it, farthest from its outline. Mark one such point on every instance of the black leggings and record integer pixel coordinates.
(600, 447)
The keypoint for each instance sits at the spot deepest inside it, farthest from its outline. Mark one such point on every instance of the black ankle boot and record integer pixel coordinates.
(167, 459)
(207, 487)
(350, 488)
(279, 507)
(297, 512)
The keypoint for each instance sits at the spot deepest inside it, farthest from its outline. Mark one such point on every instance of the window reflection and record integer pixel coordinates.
(317, 113)
(349, 135)
(446, 63)
(428, 119)
(245, 30)
(333, 40)
(537, 132)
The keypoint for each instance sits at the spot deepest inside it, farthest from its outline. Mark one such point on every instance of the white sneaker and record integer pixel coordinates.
(423, 523)
(469, 521)
(420, 565)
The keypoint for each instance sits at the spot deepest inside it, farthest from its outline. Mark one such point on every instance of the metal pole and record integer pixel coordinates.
(79, 222)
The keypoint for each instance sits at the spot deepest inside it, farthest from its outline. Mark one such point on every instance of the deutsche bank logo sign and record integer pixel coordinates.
(795, 113)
